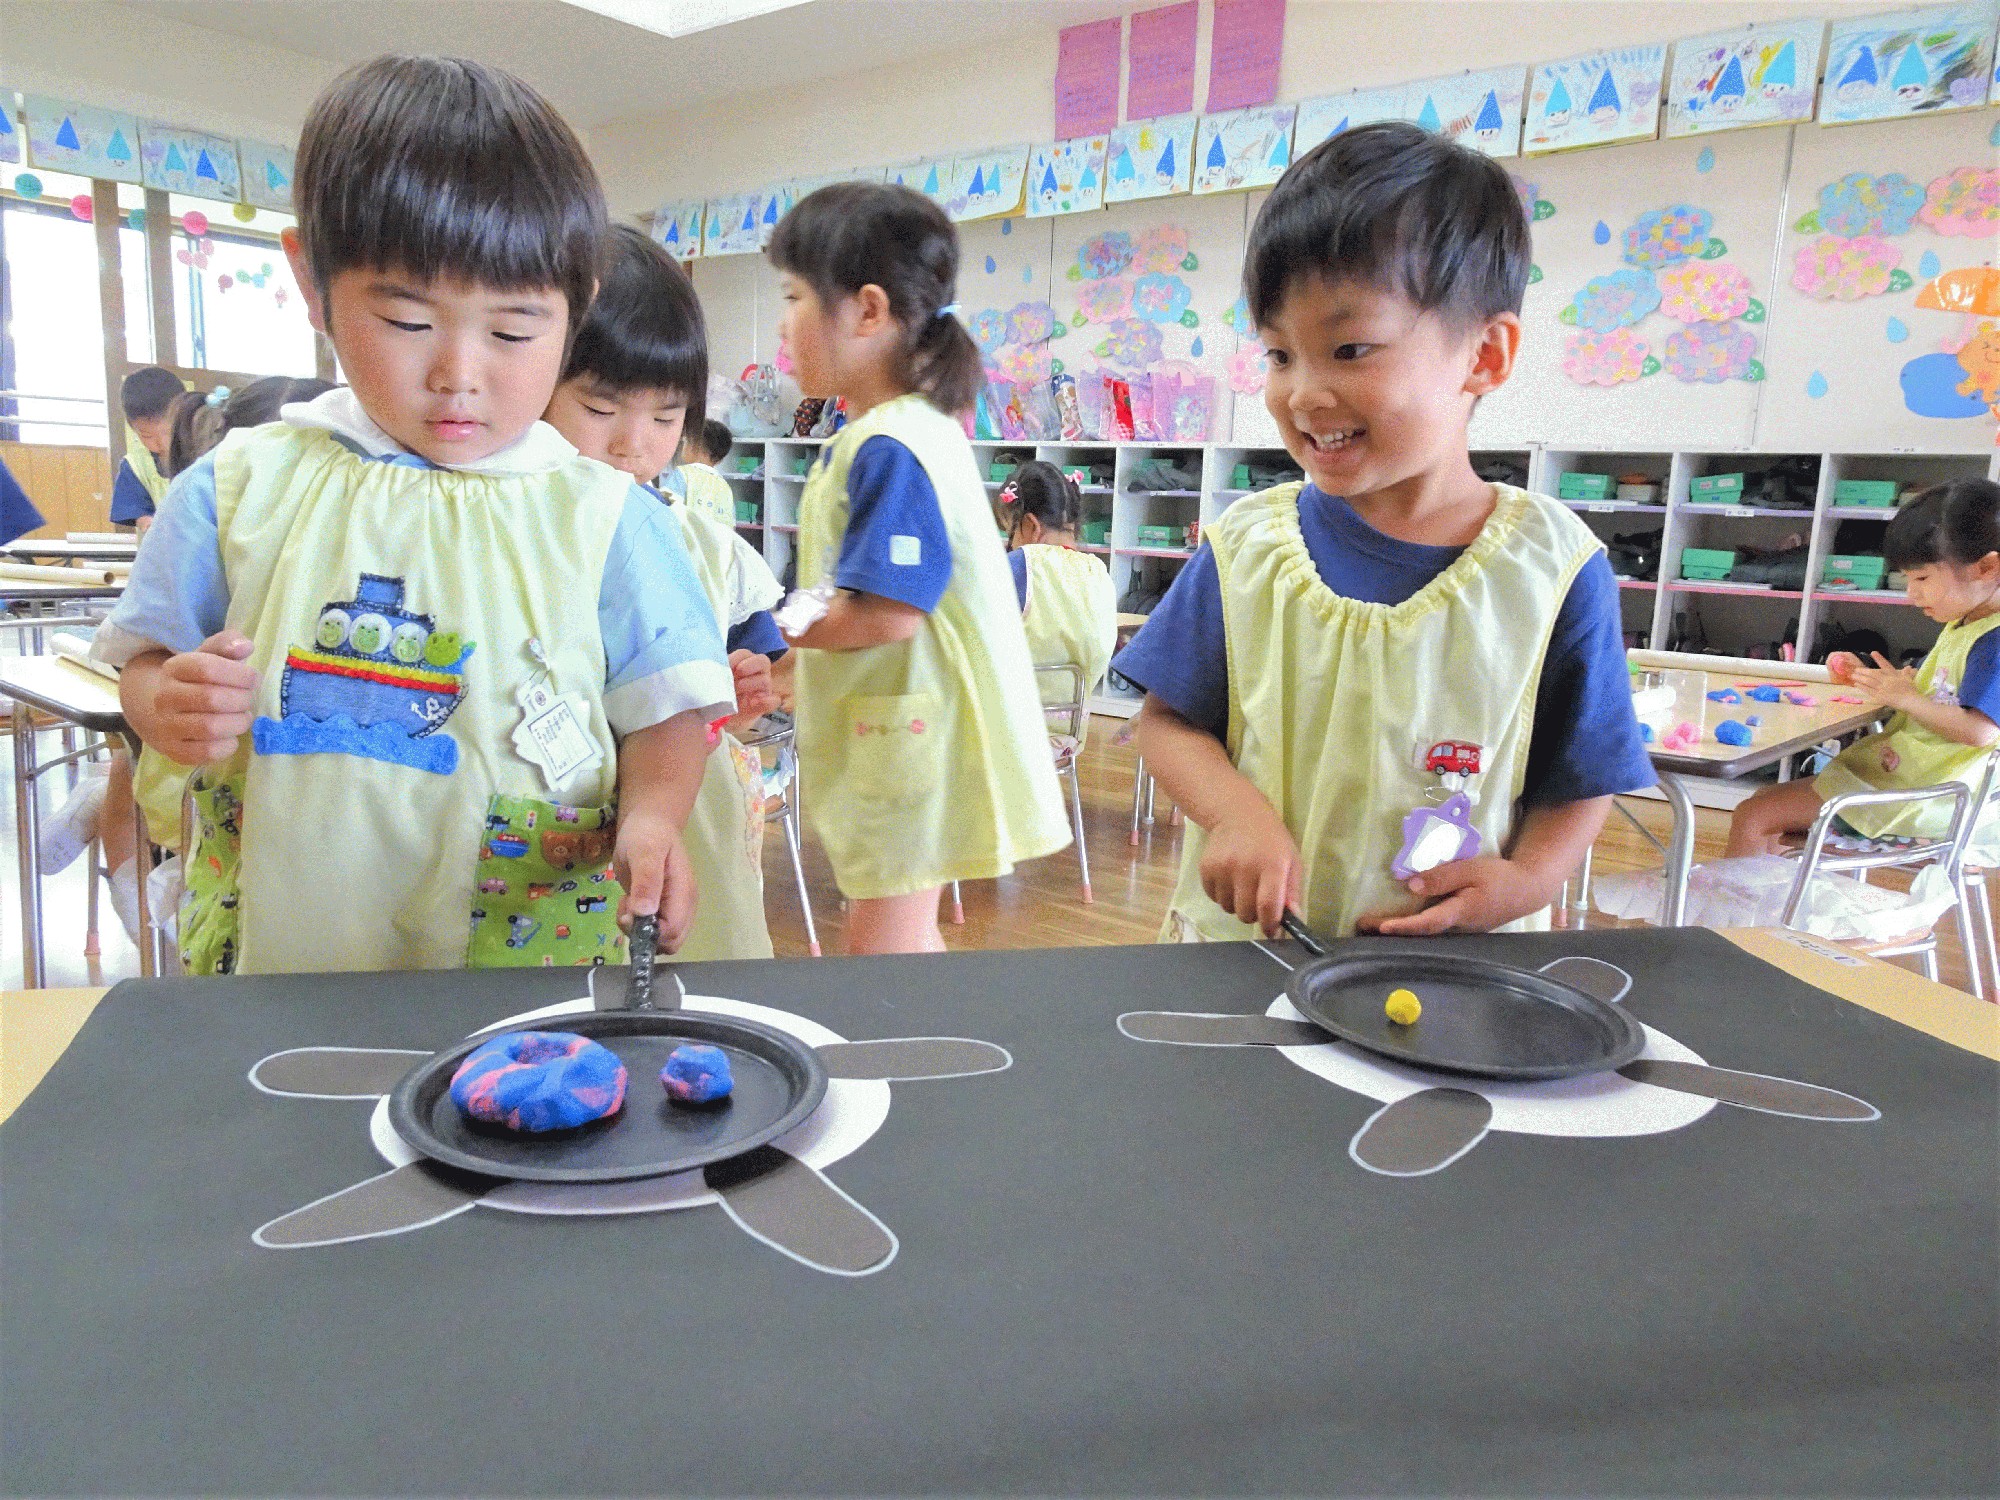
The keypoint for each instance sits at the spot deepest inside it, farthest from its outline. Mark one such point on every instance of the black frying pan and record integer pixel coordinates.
(779, 1080)
(1486, 1019)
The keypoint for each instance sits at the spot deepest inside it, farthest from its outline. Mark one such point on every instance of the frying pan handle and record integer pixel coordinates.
(645, 947)
(1302, 934)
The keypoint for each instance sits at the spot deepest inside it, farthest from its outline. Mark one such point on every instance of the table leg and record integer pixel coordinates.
(142, 862)
(34, 973)
(1680, 849)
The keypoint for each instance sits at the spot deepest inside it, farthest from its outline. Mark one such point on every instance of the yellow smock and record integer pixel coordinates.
(1071, 615)
(725, 828)
(924, 761)
(145, 467)
(1905, 753)
(709, 493)
(1335, 702)
(385, 848)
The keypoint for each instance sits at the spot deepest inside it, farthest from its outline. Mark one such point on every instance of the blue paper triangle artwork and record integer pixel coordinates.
(1784, 70)
(1911, 72)
(1427, 117)
(1489, 122)
(979, 185)
(1166, 167)
(1862, 69)
(1088, 180)
(771, 211)
(6, 124)
(673, 233)
(749, 216)
(175, 161)
(275, 180)
(1122, 169)
(1341, 126)
(118, 149)
(1049, 179)
(1730, 85)
(66, 135)
(1217, 157)
(1281, 153)
(203, 167)
(1558, 100)
(931, 182)
(1606, 96)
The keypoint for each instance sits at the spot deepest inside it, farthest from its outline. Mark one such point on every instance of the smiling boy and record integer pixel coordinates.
(427, 650)
(1393, 698)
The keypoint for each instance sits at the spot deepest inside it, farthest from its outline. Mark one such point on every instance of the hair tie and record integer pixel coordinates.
(1009, 494)
(217, 396)
(949, 310)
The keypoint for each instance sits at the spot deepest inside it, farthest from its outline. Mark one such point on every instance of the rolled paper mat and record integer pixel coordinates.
(1728, 666)
(75, 648)
(102, 538)
(36, 573)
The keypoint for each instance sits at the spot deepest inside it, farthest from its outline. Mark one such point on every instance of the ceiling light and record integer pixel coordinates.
(679, 18)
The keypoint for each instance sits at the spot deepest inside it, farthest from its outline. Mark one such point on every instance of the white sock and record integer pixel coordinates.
(67, 831)
(124, 890)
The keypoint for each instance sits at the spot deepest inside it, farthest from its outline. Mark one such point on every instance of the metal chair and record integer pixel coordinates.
(1946, 850)
(1144, 791)
(777, 733)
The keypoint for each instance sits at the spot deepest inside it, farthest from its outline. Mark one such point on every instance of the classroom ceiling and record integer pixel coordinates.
(595, 68)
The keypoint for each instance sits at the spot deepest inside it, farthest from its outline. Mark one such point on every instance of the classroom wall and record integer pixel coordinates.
(970, 98)
(70, 485)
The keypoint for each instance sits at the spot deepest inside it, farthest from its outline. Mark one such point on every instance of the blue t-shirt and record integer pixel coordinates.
(662, 652)
(18, 515)
(1017, 564)
(130, 500)
(760, 634)
(896, 544)
(1980, 691)
(1585, 740)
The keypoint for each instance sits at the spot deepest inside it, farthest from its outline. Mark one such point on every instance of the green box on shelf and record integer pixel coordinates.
(1716, 489)
(802, 466)
(746, 512)
(1861, 571)
(1161, 536)
(1706, 564)
(1239, 477)
(1874, 492)
(1584, 487)
(1097, 533)
(744, 463)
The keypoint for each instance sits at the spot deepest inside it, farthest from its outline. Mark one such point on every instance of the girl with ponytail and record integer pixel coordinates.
(919, 723)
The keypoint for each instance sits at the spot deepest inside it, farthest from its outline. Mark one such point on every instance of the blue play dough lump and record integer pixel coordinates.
(1766, 694)
(1725, 695)
(695, 1074)
(1729, 732)
(539, 1080)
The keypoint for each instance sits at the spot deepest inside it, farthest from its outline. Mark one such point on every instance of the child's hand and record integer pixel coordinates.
(756, 695)
(1251, 868)
(202, 705)
(1467, 895)
(651, 862)
(1840, 666)
(1885, 683)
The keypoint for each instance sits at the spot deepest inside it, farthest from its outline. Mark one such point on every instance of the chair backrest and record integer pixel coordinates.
(1076, 708)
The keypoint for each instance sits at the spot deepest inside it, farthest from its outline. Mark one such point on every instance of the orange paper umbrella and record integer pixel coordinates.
(1971, 289)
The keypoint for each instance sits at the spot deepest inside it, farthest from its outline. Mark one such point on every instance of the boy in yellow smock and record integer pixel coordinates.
(636, 379)
(1946, 543)
(922, 753)
(1393, 698)
(449, 679)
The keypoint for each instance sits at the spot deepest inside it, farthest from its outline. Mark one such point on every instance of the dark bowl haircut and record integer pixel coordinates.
(644, 331)
(1956, 523)
(856, 234)
(439, 167)
(716, 439)
(148, 392)
(1393, 206)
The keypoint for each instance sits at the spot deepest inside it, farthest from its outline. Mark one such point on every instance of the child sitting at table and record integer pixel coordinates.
(637, 377)
(695, 478)
(1393, 698)
(1946, 543)
(1068, 605)
(146, 398)
(418, 640)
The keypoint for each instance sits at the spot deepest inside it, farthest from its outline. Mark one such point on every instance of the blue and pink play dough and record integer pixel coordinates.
(695, 1074)
(534, 1081)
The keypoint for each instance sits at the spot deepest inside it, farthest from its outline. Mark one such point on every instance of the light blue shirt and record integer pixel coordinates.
(662, 652)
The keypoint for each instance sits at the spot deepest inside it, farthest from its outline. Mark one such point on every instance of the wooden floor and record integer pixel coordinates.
(1038, 906)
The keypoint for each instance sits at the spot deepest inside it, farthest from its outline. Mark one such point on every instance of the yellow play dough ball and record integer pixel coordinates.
(1403, 1007)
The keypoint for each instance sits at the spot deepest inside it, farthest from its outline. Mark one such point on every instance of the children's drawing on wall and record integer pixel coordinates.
(1321, 119)
(1595, 100)
(10, 139)
(1756, 75)
(1066, 177)
(677, 226)
(988, 185)
(734, 225)
(1150, 159)
(1482, 110)
(1912, 62)
(1536, 207)
(190, 162)
(267, 178)
(1962, 378)
(931, 177)
(1674, 268)
(64, 136)
(1244, 149)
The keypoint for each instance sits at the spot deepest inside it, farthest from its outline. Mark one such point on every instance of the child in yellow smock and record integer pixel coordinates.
(1392, 698)
(448, 679)
(1946, 543)
(922, 753)
(1068, 606)
(636, 379)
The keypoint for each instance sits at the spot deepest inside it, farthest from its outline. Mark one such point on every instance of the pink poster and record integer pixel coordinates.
(1249, 37)
(1160, 80)
(1087, 79)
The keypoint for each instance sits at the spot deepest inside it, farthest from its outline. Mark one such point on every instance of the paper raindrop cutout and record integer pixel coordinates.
(1897, 330)
(1706, 161)
(1816, 385)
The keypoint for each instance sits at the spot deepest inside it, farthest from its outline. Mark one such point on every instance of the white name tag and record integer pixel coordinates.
(906, 551)
(551, 735)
